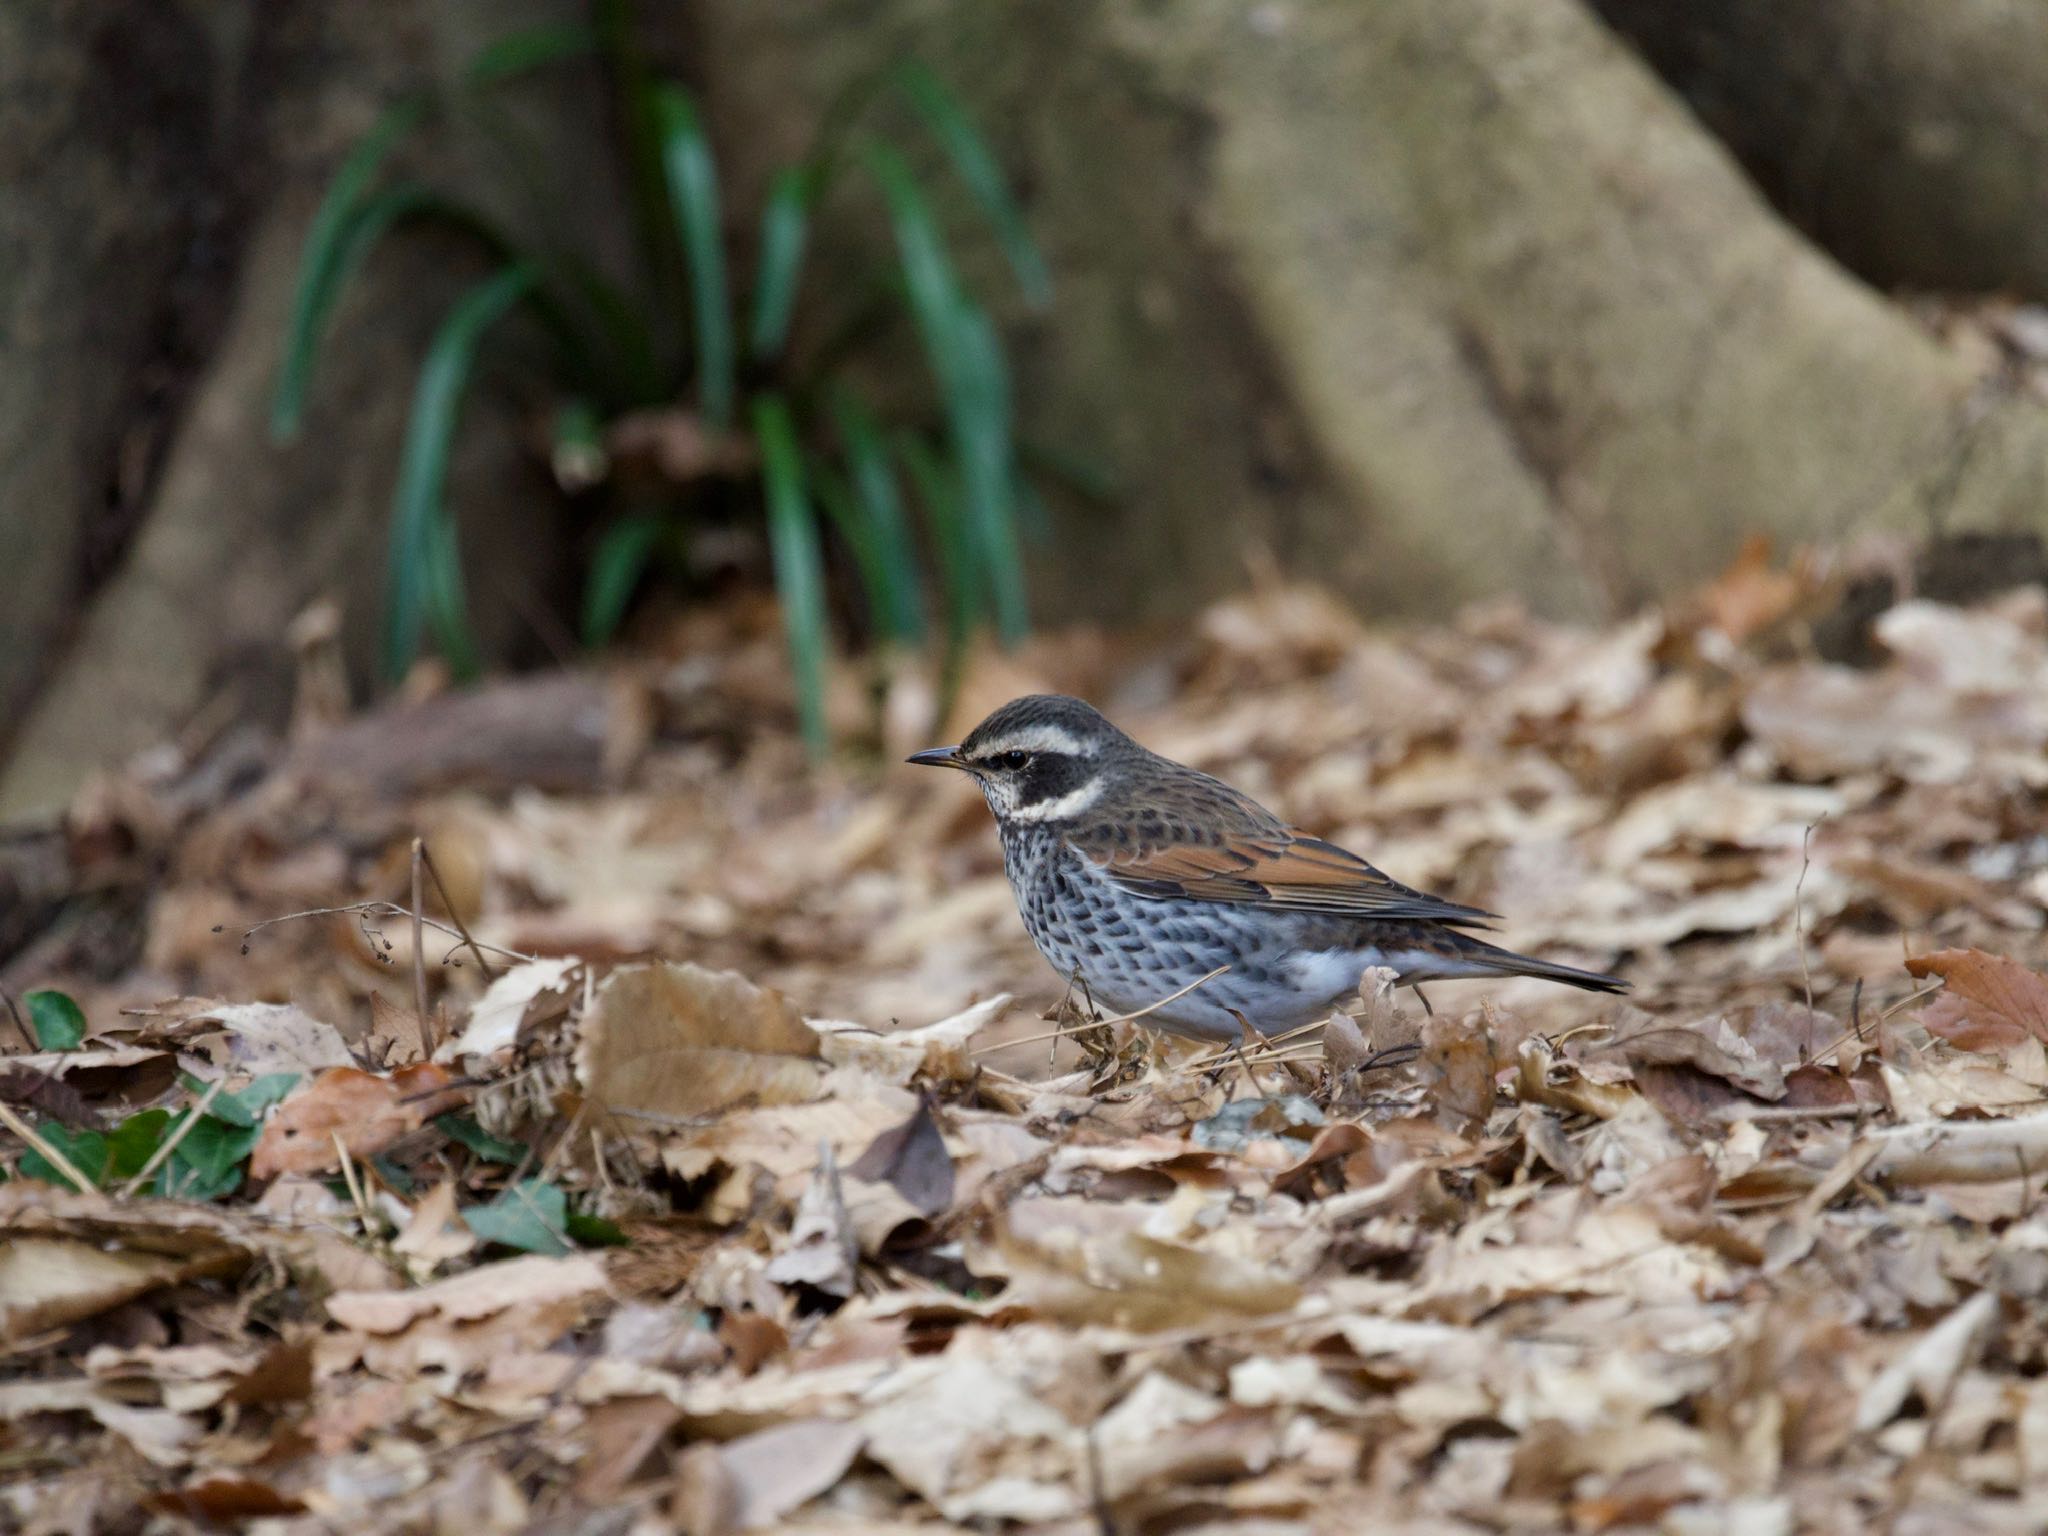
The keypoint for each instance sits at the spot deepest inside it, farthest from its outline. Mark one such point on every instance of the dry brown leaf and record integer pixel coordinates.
(532, 1280)
(913, 1158)
(1750, 596)
(435, 1234)
(773, 1472)
(937, 1052)
(64, 1257)
(977, 1431)
(365, 1110)
(495, 1021)
(1130, 1280)
(2002, 1003)
(671, 1043)
(822, 1251)
(1711, 1045)
(396, 1036)
(263, 1038)
(1456, 1067)
(622, 1435)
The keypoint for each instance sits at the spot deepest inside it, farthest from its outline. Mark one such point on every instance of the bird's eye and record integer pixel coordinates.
(1013, 762)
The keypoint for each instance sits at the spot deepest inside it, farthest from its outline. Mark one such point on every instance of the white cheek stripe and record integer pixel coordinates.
(1037, 738)
(1072, 803)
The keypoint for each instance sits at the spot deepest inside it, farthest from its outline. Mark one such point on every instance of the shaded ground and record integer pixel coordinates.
(1755, 1250)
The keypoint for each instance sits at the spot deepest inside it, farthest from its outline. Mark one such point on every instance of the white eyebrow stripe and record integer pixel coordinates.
(1072, 803)
(1037, 738)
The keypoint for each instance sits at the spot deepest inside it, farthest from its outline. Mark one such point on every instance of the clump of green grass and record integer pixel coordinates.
(792, 438)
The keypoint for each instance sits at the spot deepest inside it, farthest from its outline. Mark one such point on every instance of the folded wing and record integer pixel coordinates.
(1260, 862)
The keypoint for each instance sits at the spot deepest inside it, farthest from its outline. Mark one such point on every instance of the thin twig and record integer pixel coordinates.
(1799, 906)
(51, 1155)
(1767, 1113)
(379, 909)
(419, 948)
(20, 1025)
(455, 917)
(1122, 1018)
(170, 1142)
(1855, 1029)
(355, 1188)
(561, 1145)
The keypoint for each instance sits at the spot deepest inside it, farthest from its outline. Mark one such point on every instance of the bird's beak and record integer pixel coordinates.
(937, 757)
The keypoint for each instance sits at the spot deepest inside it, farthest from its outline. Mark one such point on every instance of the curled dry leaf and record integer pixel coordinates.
(494, 1023)
(668, 1043)
(1992, 1003)
(64, 1257)
(936, 1052)
(977, 1431)
(1133, 1281)
(913, 1158)
(264, 1038)
(822, 1251)
(530, 1281)
(1456, 1067)
(367, 1110)
(754, 1482)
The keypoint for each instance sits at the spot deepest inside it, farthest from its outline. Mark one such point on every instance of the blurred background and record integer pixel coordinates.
(496, 326)
(594, 396)
(490, 491)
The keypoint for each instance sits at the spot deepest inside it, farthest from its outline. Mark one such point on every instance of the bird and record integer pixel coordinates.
(1137, 876)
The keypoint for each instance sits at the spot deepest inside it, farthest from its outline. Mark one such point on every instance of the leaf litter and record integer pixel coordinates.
(749, 1191)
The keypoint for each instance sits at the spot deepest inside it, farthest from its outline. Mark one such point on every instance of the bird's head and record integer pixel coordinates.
(1042, 758)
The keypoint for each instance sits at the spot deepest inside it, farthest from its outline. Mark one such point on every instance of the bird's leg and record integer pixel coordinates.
(1097, 1044)
(1246, 1038)
(1422, 998)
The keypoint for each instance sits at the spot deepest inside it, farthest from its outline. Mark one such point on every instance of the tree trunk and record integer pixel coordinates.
(241, 533)
(1435, 298)
(1909, 139)
(1431, 299)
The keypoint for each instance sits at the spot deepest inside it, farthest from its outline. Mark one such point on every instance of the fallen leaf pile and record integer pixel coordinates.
(730, 1178)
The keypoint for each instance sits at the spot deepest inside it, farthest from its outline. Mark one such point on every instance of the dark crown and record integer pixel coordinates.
(1037, 711)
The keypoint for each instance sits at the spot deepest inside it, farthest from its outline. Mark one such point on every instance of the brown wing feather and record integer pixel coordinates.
(1229, 849)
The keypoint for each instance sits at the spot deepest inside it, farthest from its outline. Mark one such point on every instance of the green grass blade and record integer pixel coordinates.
(831, 492)
(929, 279)
(785, 223)
(966, 359)
(948, 526)
(981, 434)
(622, 558)
(975, 164)
(372, 219)
(325, 262)
(424, 572)
(799, 567)
(447, 601)
(1034, 518)
(692, 177)
(632, 86)
(878, 498)
(532, 48)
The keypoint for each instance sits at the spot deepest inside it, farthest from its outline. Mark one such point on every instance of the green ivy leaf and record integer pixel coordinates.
(532, 1217)
(213, 1149)
(135, 1141)
(87, 1151)
(58, 1021)
(594, 1231)
(245, 1107)
(465, 1130)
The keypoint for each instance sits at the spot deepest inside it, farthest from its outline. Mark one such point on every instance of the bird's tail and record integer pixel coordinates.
(1470, 958)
